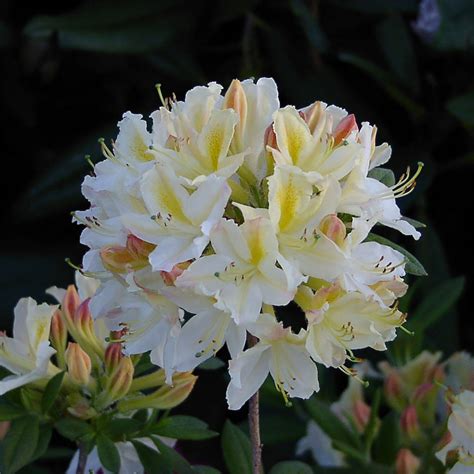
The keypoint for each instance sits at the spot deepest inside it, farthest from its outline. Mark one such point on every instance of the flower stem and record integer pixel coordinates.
(82, 460)
(254, 424)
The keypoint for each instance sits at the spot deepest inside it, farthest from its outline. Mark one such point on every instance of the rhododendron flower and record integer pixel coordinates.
(230, 205)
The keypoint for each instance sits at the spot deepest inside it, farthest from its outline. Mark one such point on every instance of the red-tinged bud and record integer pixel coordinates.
(236, 99)
(118, 383)
(166, 397)
(409, 423)
(407, 462)
(444, 441)
(78, 364)
(113, 355)
(422, 392)
(393, 391)
(361, 415)
(312, 115)
(58, 333)
(138, 248)
(333, 228)
(4, 427)
(269, 138)
(70, 303)
(344, 128)
(170, 277)
(80, 407)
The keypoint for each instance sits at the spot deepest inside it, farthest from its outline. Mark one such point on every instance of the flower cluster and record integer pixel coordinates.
(231, 206)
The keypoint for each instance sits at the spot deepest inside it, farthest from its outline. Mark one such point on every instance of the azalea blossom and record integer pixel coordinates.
(279, 352)
(27, 354)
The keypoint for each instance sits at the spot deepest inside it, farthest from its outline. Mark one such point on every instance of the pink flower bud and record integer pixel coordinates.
(70, 303)
(333, 228)
(4, 427)
(344, 128)
(393, 391)
(407, 462)
(119, 382)
(78, 364)
(409, 423)
(312, 116)
(236, 99)
(113, 355)
(170, 277)
(58, 333)
(269, 138)
(361, 415)
(422, 392)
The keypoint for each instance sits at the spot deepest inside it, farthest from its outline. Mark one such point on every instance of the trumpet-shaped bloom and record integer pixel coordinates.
(243, 273)
(340, 322)
(26, 355)
(365, 196)
(203, 335)
(278, 352)
(312, 147)
(178, 222)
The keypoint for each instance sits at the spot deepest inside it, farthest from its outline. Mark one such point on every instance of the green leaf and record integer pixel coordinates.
(330, 423)
(236, 450)
(183, 427)
(412, 266)
(151, 460)
(437, 303)
(396, 43)
(73, 429)
(462, 107)
(122, 427)
(291, 467)
(174, 459)
(19, 445)
(51, 391)
(316, 37)
(9, 411)
(388, 441)
(108, 453)
(44, 437)
(384, 175)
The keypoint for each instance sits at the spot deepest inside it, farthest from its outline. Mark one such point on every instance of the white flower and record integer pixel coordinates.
(311, 146)
(177, 222)
(461, 428)
(278, 352)
(129, 460)
(340, 322)
(242, 275)
(206, 332)
(27, 353)
(369, 198)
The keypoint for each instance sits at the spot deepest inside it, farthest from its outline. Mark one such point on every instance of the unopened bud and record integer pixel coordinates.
(58, 333)
(78, 364)
(344, 128)
(236, 99)
(166, 397)
(269, 138)
(113, 355)
(312, 115)
(170, 277)
(393, 391)
(333, 228)
(83, 330)
(409, 423)
(361, 415)
(138, 248)
(118, 383)
(80, 407)
(4, 427)
(70, 303)
(407, 462)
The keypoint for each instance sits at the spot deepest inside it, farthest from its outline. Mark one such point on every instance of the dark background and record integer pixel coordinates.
(69, 72)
